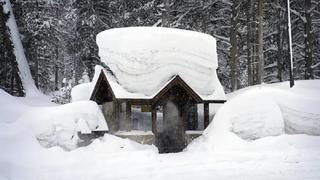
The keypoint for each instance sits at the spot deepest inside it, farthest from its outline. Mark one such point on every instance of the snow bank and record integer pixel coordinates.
(11, 107)
(51, 125)
(254, 116)
(144, 59)
(81, 92)
(111, 144)
(62, 123)
(262, 111)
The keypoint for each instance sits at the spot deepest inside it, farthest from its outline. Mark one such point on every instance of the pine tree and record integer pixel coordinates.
(59, 36)
(85, 77)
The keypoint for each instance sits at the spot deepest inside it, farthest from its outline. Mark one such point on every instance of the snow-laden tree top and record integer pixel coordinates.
(144, 59)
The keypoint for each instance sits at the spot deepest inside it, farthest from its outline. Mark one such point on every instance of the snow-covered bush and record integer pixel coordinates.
(59, 126)
(63, 96)
(85, 77)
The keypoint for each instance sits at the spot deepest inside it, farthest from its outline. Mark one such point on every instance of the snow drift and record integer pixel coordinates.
(264, 110)
(81, 92)
(51, 125)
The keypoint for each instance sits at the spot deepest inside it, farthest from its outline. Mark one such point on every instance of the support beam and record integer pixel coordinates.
(116, 117)
(194, 116)
(154, 120)
(129, 124)
(206, 115)
(183, 120)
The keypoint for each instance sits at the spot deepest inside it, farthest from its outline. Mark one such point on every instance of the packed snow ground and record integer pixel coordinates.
(260, 133)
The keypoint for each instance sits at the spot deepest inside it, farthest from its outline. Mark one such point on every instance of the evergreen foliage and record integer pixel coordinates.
(59, 36)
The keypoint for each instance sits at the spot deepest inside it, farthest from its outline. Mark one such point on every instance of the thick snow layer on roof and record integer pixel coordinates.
(144, 59)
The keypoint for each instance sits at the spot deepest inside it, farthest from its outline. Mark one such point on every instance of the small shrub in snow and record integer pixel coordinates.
(63, 96)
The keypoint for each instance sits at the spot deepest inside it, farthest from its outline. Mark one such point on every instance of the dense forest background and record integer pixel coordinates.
(252, 36)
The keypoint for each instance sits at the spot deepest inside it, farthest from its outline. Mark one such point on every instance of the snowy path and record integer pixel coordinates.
(148, 165)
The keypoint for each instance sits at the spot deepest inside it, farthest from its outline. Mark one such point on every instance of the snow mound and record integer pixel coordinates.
(261, 111)
(144, 59)
(110, 144)
(81, 92)
(255, 116)
(298, 105)
(63, 123)
(50, 125)
(11, 107)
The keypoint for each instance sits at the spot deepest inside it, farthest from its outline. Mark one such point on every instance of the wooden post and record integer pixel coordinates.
(206, 114)
(129, 123)
(116, 116)
(154, 120)
(184, 117)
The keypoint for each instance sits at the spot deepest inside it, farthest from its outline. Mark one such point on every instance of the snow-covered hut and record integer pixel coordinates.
(164, 72)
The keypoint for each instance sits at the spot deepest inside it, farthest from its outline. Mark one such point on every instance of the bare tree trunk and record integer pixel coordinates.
(279, 44)
(249, 42)
(290, 50)
(260, 60)
(254, 46)
(12, 76)
(56, 77)
(36, 57)
(234, 49)
(36, 67)
(166, 14)
(56, 66)
(308, 41)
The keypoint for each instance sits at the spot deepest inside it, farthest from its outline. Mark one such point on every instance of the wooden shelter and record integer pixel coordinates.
(158, 85)
(177, 102)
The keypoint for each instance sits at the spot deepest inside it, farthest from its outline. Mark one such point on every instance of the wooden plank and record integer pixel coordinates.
(206, 115)
(154, 120)
(215, 101)
(146, 108)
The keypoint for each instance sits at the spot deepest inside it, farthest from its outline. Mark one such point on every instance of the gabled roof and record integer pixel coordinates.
(177, 80)
(102, 83)
(107, 89)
